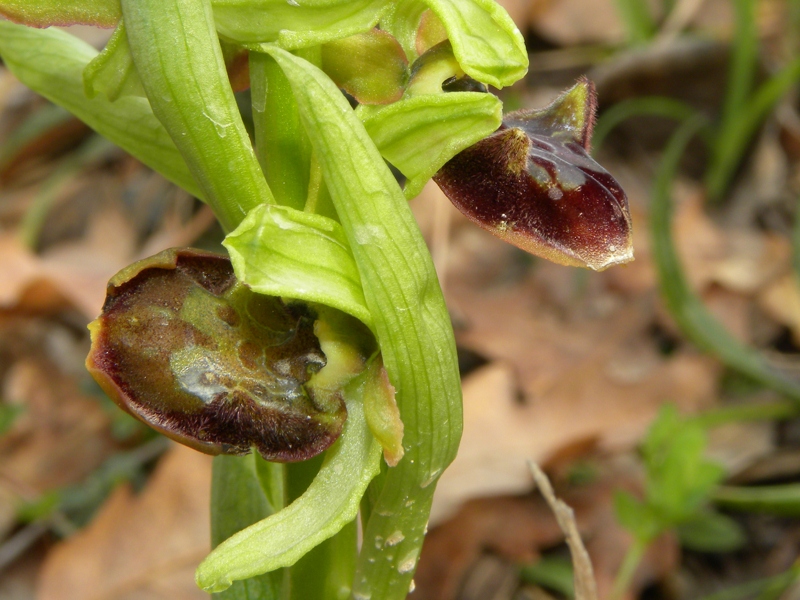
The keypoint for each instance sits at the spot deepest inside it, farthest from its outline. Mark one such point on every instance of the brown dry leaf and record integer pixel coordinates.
(740, 260)
(143, 547)
(577, 22)
(781, 301)
(519, 528)
(586, 404)
(76, 273)
(60, 437)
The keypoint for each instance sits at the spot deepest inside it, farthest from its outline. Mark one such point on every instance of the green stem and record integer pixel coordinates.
(633, 557)
(177, 54)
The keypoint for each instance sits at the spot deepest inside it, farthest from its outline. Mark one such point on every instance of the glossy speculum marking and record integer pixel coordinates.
(186, 348)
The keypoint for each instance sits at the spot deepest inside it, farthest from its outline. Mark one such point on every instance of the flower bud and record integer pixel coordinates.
(532, 183)
(186, 348)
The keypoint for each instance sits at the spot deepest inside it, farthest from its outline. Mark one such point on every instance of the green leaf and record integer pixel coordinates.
(112, 72)
(51, 62)
(8, 414)
(295, 24)
(711, 532)
(679, 478)
(280, 251)
(555, 574)
(410, 321)
(238, 501)
(487, 44)
(420, 134)
(637, 517)
(330, 502)
(44, 13)
(179, 60)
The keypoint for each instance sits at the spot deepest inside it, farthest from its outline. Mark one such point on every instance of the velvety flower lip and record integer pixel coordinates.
(186, 348)
(532, 183)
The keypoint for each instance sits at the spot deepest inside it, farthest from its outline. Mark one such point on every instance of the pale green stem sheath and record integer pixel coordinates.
(177, 55)
(410, 320)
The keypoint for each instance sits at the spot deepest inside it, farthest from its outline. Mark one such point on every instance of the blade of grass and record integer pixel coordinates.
(769, 499)
(656, 106)
(686, 308)
(741, 70)
(639, 24)
(736, 133)
(763, 589)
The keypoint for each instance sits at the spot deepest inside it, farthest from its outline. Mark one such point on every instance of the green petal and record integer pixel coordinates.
(486, 42)
(418, 135)
(280, 251)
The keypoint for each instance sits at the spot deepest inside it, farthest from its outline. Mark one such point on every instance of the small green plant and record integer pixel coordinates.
(679, 484)
(323, 336)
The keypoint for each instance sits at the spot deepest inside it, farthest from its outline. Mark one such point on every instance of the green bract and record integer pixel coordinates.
(176, 45)
(410, 321)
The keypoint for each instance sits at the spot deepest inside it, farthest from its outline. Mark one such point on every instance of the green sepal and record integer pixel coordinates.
(284, 252)
(486, 42)
(112, 71)
(295, 25)
(44, 13)
(51, 62)
(418, 135)
(330, 502)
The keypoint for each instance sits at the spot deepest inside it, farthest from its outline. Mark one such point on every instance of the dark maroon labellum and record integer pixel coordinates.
(186, 348)
(533, 184)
